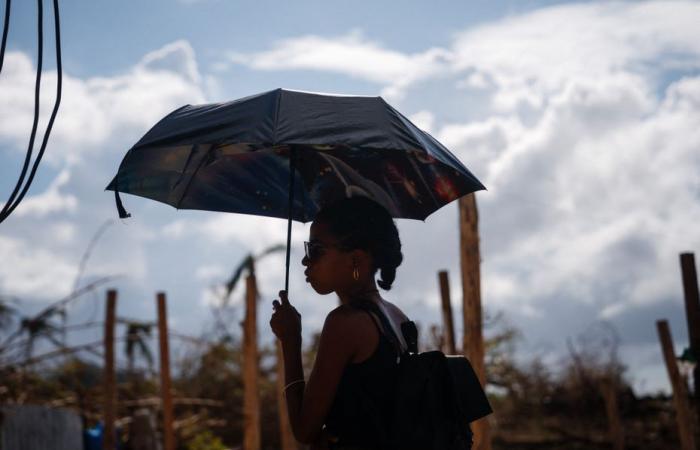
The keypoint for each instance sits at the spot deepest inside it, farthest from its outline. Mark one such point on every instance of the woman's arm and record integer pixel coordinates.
(308, 406)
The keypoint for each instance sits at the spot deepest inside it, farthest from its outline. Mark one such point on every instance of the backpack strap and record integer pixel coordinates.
(408, 330)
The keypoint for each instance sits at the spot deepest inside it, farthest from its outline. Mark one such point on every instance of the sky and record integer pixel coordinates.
(581, 118)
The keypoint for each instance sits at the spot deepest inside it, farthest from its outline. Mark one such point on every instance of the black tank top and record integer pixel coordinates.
(362, 405)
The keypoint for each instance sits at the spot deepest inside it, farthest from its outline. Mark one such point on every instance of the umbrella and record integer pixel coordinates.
(287, 153)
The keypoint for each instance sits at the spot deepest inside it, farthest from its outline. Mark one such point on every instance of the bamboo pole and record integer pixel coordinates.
(110, 388)
(287, 440)
(680, 393)
(473, 341)
(251, 393)
(692, 313)
(609, 390)
(165, 386)
(447, 312)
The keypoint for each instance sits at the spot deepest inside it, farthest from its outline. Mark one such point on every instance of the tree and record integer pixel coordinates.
(137, 336)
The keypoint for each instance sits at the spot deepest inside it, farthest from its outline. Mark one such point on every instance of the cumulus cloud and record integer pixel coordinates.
(528, 56)
(351, 54)
(253, 232)
(585, 142)
(100, 117)
(28, 271)
(97, 109)
(50, 201)
(580, 119)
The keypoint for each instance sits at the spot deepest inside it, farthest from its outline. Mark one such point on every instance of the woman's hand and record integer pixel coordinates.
(286, 320)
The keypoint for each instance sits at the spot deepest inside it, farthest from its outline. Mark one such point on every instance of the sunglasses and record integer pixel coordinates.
(315, 250)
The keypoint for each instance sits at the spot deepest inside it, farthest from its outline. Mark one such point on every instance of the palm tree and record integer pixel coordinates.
(249, 263)
(251, 369)
(137, 336)
(42, 325)
(246, 265)
(39, 327)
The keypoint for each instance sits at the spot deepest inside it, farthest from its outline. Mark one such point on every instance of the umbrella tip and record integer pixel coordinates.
(120, 208)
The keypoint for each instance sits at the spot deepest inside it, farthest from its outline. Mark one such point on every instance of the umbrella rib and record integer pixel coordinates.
(277, 113)
(422, 179)
(194, 174)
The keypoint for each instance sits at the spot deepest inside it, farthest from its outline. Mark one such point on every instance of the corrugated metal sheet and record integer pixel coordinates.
(34, 427)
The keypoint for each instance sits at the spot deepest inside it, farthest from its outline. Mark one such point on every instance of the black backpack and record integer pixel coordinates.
(437, 396)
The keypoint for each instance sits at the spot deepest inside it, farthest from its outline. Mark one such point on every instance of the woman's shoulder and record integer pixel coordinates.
(345, 314)
(396, 312)
(353, 316)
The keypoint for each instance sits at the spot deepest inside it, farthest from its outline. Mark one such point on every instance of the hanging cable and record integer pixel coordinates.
(12, 203)
(35, 123)
(5, 30)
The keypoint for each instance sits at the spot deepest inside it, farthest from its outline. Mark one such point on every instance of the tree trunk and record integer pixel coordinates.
(692, 313)
(680, 391)
(165, 385)
(251, 393)
(110, 388)
(473, 341)
(608, 389)
(287, 440)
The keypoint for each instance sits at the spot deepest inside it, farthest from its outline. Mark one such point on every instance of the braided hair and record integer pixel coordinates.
(361, 223)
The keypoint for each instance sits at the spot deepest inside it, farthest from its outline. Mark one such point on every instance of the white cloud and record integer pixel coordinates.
(588, 144)
(99, 118)
(96, 110)
(425, 120)
(50, 201)
(174, 58)
(523, 57)
(210, 272)
(585, 201)
(255, 233)
(29, 271)
(531, 55)
(351, 54)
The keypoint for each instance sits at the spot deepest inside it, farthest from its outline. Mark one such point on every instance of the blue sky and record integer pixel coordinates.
(580, 118)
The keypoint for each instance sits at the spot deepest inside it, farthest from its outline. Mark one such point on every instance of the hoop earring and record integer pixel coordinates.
(356, 273)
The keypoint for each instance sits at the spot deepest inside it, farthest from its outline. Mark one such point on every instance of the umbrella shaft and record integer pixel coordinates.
(292, 168)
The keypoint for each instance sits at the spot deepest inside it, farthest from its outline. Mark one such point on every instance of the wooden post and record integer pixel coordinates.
(286, 435)
(110, 388)
(447, 312)
(165, 389)
(251, 393)
(680, 392)
(608, 389)
(692, 313)
(473, 341)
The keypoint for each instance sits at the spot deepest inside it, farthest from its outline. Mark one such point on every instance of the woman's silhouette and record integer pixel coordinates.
(349, 394)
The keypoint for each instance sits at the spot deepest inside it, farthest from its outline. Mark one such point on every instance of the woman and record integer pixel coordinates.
(349, 393)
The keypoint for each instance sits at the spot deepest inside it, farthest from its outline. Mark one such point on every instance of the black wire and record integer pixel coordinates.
(37, 93)
(54, 112)
(5, 30)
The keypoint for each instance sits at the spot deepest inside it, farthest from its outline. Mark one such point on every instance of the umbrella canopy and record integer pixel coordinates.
(237, 156)
(287, 154)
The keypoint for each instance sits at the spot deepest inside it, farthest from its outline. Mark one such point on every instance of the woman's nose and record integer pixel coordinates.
(305, 261)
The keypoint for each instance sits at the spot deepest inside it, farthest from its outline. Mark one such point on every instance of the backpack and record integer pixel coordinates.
(437, 396)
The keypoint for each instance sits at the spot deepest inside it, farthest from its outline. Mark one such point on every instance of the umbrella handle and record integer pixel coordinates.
(292, 168)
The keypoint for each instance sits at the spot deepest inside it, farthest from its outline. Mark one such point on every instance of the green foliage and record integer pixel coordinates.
(205, 441)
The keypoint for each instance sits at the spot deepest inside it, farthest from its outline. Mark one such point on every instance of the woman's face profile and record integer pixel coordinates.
(327, 267)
